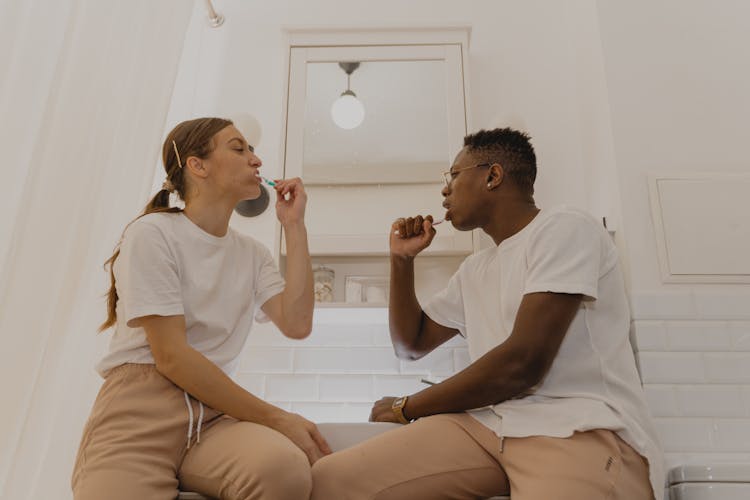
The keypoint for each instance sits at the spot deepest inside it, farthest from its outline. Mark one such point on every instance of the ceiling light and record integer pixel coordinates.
(347, 111)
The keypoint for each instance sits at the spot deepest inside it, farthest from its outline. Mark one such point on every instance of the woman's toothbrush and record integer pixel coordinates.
(267, 181)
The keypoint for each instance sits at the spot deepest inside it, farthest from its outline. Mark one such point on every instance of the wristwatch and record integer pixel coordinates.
(398, 409)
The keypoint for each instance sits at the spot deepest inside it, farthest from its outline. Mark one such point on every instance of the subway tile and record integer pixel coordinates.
(374, 360)
(351, 315)
(697, 336)
(649, 335)
(327, 360)
(670, 367)
(728, 367)
(345, 360)
(739, 332)
(266, 360)
(340, 335)
(292, 387)
(461, 359)
(663, 305)
(267, 335)
(333, 412)
(438, 362)
(710, 400)
(346, 388)
(397, 385)
(722, 305)
(254, 383)
(380, 336)
(661, 400)
(684, 434)
(732, 434)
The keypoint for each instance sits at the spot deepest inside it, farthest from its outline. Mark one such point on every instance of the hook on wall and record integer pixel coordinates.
(214, 18)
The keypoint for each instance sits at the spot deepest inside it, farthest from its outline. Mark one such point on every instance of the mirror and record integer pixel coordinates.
(407, 118)
(402, 137)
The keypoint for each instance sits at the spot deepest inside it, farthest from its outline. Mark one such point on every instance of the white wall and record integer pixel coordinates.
(678, 73)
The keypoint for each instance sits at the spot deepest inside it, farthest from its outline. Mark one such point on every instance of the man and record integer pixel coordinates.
(551, 406)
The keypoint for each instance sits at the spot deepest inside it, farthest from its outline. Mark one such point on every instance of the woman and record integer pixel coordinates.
(185, 289)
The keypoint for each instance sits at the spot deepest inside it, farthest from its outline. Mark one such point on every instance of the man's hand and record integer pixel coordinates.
(382, 411)
(411, 235)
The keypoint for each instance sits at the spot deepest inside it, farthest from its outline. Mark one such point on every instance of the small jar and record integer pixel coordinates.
(323, 284)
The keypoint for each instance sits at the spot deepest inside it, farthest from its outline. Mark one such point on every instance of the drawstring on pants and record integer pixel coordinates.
(190, 416)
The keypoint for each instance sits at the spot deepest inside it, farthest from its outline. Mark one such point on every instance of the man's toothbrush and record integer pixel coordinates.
(439, 221)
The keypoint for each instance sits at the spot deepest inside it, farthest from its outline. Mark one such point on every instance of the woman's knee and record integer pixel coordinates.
(283, 475)
(329, 474)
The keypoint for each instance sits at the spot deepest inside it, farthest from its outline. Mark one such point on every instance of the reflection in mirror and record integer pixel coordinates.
(403, 137)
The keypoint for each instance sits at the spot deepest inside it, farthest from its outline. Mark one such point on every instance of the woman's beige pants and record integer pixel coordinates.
(134, 446)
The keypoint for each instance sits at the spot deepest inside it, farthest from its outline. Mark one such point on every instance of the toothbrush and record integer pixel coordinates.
(435, 223)
(267, 181)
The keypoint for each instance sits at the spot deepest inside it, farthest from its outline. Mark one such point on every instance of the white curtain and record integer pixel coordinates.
(85, 87)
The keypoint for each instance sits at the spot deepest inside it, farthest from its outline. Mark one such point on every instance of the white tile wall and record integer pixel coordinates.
(684, 434)
(694, 357)
(693, 351)
(345, 365)
(353, 388)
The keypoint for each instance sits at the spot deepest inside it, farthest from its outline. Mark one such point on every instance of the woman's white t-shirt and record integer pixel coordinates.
(169, 266)
(593, 382)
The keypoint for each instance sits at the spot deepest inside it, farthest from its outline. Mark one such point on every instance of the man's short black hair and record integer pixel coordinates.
(511, 149)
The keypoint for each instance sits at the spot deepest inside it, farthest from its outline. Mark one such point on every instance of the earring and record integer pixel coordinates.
(489, 184)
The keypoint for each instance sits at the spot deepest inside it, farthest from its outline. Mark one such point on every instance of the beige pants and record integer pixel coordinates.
(455, 457)
(134, 446)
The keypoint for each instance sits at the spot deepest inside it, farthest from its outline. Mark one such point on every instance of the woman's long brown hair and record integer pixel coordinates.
(191, 138)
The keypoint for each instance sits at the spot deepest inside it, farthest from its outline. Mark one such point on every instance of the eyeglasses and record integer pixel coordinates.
(451, 174)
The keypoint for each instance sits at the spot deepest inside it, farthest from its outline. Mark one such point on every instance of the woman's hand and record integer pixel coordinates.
(302, 433)
(292, 210)
(411, 235)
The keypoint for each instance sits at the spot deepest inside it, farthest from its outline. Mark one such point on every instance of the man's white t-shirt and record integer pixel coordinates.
(169, 266)
(593, 382)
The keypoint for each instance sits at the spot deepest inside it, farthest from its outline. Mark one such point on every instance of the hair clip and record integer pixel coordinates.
(179, 162)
